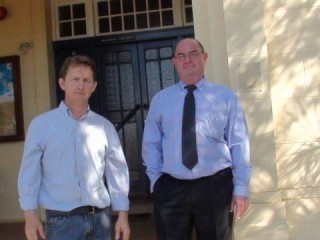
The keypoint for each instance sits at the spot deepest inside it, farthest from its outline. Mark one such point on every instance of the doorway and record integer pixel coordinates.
(130, 72)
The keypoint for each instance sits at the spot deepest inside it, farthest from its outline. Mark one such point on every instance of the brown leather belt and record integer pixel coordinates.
(77, 211)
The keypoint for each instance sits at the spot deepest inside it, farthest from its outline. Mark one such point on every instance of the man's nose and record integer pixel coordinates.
(188, 58)
(81, 84)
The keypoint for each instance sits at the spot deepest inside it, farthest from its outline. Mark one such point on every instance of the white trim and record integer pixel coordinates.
(55, 4)
(92, 18)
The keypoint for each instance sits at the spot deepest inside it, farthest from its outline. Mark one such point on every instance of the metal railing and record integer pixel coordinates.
(128, 117)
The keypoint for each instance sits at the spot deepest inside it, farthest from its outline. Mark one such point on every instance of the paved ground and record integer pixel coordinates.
(142, 227)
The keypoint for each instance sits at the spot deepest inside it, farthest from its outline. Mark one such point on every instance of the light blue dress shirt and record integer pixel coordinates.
(66, 162)
(221, 133)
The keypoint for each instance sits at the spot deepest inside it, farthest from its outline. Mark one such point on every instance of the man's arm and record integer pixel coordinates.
(152, 144)
(29, 181)
(238, 141)
(122, 229)
(117, 176)
(33, 226)
(239, 205)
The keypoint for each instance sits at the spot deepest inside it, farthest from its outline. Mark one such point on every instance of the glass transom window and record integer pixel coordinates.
(81, 18)
(71, 20)
(128, 15)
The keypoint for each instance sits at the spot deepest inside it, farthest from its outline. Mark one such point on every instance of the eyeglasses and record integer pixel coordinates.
(191, 55)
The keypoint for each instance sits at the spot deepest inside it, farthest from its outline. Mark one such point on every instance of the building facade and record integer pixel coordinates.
(267, 51)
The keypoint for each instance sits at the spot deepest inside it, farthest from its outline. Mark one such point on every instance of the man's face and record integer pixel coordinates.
(78, 85)
(189, 61)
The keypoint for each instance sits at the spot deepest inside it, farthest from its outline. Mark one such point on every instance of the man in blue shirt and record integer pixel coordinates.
(73, 166)
(204, 193)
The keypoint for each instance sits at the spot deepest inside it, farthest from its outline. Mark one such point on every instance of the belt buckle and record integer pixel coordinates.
(92, 210)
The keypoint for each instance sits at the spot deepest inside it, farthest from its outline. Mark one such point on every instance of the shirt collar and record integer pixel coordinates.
(65, 110)
(199, 84)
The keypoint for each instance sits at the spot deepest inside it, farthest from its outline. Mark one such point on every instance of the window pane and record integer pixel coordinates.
(140, 5)
(103, 9)
(64, 13)
(167, 73)
(154, 19)
(114, 117)
(112, 58)
(167, 18)
(128, 22)
(104, 25)
(125, 57)
(131, 149)
(151, 54)
(187, 2)
(126, 77)
(65, 29)
(166, 52)
(153, 4)
(116, 24)
(80, 27)
(112, 86)
(78, 11)
(142, 21)
(115, 7)
(153, 78)
(127, 6)
(166, 4)
(189, 16)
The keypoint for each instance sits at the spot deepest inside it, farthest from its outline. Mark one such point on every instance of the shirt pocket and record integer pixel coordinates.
(213, 126)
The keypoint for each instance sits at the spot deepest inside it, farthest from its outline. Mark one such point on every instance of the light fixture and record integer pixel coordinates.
(25, 46)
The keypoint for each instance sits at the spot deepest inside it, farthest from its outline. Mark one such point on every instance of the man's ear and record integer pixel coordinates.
(173, 61)
(205, 56)
(61, 83)
(95, 86)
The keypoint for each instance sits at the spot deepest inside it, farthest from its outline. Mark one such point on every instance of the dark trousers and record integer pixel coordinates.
(203, 204)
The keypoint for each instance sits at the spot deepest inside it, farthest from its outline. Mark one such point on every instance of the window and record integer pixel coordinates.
(188, 15)
(127, 15)
(81, 18)
(71, 19)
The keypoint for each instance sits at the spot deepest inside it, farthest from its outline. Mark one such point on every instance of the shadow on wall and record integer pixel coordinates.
(285, 119)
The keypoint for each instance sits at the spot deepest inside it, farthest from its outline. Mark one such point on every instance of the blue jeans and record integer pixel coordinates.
(91, 226)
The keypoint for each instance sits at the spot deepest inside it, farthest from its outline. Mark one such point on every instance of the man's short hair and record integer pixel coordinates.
(77, 60)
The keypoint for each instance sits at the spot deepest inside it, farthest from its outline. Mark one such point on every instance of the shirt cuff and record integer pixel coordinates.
(28, 203)
(241, 191)
(120, 203)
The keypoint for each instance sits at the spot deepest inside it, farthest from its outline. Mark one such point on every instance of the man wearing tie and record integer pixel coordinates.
(196, 152)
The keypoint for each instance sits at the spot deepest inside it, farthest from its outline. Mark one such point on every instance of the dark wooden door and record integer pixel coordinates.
(131, 69)
(131, 75)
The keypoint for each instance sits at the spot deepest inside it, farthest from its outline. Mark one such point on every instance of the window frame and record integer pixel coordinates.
(92, 19)
(55, 4)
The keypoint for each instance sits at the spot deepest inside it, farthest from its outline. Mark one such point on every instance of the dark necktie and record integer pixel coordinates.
(189, 144)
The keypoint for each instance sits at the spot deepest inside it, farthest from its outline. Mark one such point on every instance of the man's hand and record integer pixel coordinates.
(122, 229)
(239, 205)
(33, 227)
